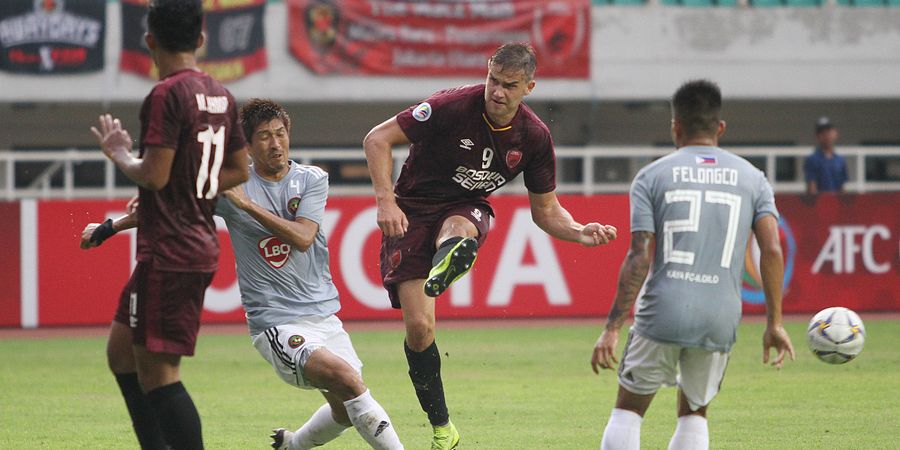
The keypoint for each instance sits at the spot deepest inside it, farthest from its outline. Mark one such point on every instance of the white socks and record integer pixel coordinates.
(372, 422)
(317, 431)
(692, 433)
(623, 431)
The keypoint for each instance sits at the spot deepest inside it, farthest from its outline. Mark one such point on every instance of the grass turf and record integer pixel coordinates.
(508, 388)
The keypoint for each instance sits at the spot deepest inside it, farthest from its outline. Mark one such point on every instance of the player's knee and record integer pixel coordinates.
(120, 361)
(419, 337)
(420, 325)
(457, 226)
(346, 384)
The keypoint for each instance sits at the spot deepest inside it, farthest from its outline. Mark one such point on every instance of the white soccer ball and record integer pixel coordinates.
(836, 335)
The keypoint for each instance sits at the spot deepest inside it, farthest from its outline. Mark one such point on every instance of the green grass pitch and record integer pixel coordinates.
(507, 388)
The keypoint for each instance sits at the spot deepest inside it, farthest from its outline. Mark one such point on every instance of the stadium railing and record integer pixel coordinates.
(53, 174)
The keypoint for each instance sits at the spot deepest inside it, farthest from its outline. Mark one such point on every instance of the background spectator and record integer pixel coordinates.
(825, 170)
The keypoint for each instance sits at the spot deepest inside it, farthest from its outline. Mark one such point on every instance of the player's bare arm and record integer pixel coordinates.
(631, 278)
(95, 233)
(235, 170)
(150, 172)
(771, 265)
(550, 216)
(377, 145)
(299, 234)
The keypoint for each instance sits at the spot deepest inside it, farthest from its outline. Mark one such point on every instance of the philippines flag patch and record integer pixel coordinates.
(705, 160)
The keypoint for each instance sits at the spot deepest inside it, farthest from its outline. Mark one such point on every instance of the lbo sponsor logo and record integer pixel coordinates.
(275, 252)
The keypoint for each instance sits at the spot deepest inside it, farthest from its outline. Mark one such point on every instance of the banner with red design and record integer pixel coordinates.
(437, 38)
(839, 250)
(235, 43)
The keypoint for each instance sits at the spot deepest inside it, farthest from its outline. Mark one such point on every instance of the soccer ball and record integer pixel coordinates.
(836, 335)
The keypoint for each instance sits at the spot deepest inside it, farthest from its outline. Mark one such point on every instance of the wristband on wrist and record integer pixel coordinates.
(103, 232)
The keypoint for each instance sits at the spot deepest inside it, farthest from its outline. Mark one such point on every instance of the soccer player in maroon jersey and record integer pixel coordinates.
(466, 143)
(191, 148)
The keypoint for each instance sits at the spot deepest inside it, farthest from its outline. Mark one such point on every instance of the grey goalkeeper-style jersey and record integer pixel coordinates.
(279, 283)
(701, 203)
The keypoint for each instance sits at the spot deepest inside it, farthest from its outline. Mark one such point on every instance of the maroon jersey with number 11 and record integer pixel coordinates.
(193, 114)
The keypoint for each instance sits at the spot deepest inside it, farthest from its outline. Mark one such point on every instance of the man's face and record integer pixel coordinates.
(504, 90)
(827, 137)
(269, 145)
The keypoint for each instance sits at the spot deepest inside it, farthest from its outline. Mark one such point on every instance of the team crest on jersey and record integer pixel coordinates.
(513, 157)
(293, 204)
(422, 112)
(296, 341)
(275, 252)
(395, 259)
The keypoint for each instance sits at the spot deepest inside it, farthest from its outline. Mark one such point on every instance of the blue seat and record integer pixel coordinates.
(803, 3)
(766, 3)
(699, 3)
(868, 3)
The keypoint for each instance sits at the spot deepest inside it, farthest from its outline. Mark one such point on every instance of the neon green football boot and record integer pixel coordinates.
(454, 265)
(445, 437)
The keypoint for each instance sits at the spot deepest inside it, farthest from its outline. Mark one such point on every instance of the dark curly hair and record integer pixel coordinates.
(261, 110)
(176, 24)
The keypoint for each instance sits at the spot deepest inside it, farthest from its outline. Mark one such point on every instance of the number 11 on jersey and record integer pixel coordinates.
(209, 139)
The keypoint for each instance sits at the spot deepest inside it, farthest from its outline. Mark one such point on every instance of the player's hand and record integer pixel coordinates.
(131, 206)
(86, 234)
(777, 338)
(594, 234)
(391, 219)
(237, 196)
(112, 137)
(605, 351)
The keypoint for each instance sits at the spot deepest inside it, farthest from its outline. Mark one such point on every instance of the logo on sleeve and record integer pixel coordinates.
(296, 341)
(293, 204)
(422, 112)
(275, 252)
(513, 157)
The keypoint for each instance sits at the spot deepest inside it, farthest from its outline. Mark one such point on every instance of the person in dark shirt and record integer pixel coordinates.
(464, 144)
(191, 148)
(825, 170)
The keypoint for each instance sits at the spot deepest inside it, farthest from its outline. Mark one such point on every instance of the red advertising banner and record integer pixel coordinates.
(235, 43)
(439, 37)
(839, 250)
(10, 275)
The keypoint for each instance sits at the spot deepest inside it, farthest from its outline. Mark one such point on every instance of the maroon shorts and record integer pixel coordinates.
(163, 308)
(409, 257)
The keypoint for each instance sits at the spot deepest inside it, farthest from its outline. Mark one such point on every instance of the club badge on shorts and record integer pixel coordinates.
(296, 341)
